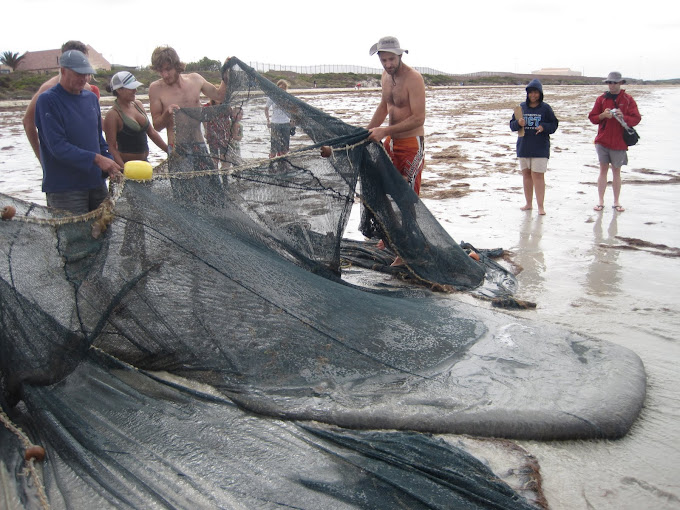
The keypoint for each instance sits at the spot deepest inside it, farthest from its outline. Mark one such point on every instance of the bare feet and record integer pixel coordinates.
(541, 211)
(525, 208)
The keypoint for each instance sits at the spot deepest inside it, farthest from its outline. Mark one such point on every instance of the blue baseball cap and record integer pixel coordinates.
(76, 61)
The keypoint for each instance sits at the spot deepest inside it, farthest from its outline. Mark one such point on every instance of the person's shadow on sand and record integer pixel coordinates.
(603, 277)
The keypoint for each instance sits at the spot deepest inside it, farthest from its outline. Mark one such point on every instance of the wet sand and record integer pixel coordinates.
(614, 276)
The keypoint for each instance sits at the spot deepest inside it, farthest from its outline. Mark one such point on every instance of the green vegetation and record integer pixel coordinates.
(10, 59)
(205, 64)
(23, 84)
(20, 84)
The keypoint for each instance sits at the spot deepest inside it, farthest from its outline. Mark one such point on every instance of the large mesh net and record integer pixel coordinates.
(154, 346)
(300, 198)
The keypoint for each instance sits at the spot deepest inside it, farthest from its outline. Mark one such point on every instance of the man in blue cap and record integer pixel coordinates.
(29, 116)
(73, 153)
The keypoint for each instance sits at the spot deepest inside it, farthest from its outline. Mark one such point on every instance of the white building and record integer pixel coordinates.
(557, 71)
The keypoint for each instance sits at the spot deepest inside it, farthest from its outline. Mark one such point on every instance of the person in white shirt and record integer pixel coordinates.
(280, 125)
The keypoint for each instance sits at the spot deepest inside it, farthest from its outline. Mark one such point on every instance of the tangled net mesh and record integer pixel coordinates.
(224, 272)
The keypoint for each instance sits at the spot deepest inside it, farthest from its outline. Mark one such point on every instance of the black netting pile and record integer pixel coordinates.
(304, 200)
(160, 362)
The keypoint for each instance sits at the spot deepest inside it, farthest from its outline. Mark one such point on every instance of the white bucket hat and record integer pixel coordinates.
(387, 43)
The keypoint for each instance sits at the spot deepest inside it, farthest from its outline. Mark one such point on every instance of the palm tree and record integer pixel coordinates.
(11, 59)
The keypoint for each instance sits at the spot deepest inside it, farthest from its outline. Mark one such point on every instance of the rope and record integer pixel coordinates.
(105, 210)
(31, 469)
(253, 164)
(7, 422)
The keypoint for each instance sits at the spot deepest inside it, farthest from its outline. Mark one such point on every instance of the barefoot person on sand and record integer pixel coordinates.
(403, 101)
(537, 123)
(609, 144)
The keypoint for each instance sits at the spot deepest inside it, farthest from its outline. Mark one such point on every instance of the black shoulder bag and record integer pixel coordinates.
(630, 136)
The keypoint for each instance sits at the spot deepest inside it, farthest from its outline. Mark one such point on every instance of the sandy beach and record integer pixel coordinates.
(609, 275)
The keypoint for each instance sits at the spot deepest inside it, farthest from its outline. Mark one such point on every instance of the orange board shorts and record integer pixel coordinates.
(408, 155)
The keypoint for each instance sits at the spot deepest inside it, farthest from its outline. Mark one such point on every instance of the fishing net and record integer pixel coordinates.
(162, 347)
(300, 198)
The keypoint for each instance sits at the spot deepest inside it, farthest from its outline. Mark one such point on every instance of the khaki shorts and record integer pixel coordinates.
(538, 165)
(616, 158)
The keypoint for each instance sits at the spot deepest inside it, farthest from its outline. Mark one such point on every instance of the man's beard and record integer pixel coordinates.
(394, 72)
(174, 79)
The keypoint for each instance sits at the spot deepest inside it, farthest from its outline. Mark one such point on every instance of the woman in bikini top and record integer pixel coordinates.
(126, 125)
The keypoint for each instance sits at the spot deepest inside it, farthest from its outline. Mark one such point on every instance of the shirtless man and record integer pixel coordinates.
(29, 116)
(176, 90)
(403, 100)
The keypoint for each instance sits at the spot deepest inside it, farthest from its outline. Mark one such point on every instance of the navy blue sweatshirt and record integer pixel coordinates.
(533, 145)
(70, 132)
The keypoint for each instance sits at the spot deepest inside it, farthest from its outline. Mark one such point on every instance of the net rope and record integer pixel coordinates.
(227, 273)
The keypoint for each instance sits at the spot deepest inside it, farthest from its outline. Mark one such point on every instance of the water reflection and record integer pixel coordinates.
(603, 277)
(530, 256)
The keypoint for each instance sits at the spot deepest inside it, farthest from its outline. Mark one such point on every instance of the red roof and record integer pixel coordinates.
(48, 60)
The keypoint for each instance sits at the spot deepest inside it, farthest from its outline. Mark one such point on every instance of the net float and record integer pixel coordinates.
(35, 452)
(8, 212)
(138, 170)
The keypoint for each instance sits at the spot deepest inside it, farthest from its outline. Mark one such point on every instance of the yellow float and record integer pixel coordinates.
(138, 170)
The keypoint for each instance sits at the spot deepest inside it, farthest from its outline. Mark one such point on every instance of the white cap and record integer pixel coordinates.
(125, 80)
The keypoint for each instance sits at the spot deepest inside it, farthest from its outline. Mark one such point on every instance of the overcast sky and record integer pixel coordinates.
(641, 39)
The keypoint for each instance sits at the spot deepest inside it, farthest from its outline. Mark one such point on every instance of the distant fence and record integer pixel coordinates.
(334, 68)
(320, 69)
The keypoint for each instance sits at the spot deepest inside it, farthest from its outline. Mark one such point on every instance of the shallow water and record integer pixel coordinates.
(611, 276)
